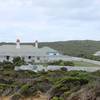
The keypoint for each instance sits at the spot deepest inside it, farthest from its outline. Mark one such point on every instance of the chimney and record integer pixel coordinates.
(18, 43)
(36, 44)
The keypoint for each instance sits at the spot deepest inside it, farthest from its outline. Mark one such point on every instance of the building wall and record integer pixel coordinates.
(36, 59)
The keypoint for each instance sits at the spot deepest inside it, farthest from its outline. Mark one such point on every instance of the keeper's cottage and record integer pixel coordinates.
(30, 53)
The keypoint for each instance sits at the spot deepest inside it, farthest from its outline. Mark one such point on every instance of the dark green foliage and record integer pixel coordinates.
(25, 90)
(18, 61)
(67, 84)
(57, 98)
(5, 65)
(68, 63)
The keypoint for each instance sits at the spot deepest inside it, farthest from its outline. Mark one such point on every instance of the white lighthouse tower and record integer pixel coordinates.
(18, 44)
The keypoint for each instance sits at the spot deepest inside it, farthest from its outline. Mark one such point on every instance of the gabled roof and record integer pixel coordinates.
(24, 50)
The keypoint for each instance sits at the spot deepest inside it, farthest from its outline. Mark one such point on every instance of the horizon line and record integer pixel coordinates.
(49, 41)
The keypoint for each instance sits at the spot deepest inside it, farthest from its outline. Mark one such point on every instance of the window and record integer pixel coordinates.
(7, 57)
(53, 53)
(29, 57)
(38, 58)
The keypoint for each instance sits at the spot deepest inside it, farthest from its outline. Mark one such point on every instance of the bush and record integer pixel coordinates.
(69, 63)
(67, 84)
(7, 65)
(18, 61)
(25, 89)
(55, 98)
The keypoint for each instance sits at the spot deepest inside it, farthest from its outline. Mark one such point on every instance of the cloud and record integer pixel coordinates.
(49, 20)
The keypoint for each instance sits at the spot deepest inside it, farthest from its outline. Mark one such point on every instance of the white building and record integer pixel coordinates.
(30, 53)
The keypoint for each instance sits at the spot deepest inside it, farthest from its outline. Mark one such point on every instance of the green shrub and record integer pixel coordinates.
(7, 65)
(67, 84)
(55, 98)
(18, 61)
(68, 63)
(25, 90)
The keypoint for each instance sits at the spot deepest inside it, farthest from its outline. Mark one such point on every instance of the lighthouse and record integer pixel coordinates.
(18, 44)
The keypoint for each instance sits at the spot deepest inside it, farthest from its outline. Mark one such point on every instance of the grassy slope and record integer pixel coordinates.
(75, 48)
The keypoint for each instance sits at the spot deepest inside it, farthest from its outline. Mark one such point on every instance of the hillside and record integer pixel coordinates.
(75, 48)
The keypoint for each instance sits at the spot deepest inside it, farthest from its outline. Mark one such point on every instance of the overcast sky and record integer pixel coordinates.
(49, 20)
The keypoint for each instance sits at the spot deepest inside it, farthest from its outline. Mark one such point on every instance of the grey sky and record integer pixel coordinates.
(49, 20)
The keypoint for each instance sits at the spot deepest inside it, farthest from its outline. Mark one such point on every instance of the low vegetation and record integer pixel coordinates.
(6, 65)
(58, 85)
